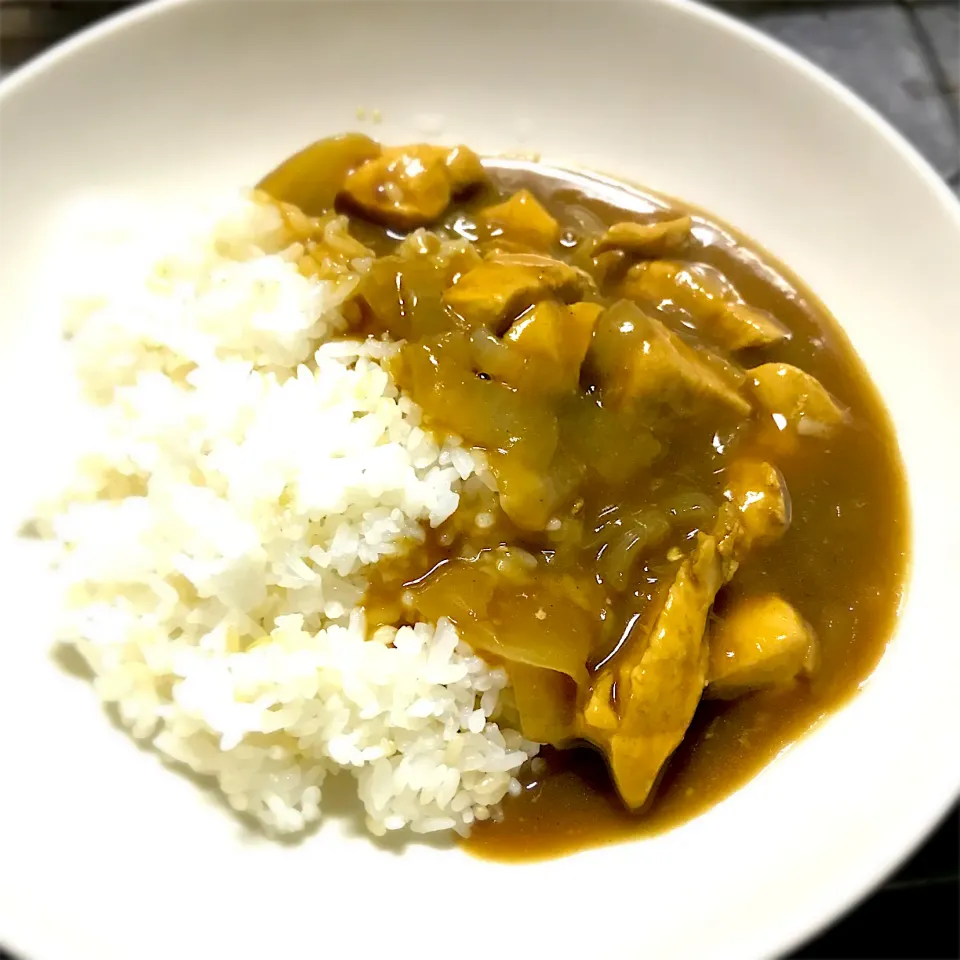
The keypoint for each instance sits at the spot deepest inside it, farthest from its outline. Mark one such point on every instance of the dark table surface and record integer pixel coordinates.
(902, 57)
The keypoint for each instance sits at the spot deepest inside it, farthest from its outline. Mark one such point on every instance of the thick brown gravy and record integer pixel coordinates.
(842, 564)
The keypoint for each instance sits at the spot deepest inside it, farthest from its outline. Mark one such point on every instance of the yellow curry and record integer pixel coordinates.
(690, 541)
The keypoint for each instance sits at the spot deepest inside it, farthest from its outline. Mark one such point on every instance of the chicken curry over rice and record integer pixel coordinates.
(690, 542)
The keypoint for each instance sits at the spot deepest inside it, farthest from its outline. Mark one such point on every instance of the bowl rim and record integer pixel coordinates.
(860, 876)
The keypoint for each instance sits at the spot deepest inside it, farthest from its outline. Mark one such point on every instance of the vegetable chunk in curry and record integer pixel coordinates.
(690, 541)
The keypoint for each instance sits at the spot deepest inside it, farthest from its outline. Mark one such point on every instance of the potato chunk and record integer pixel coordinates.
(560, 335)
(522, 219)
(761, 642)
(795, 399)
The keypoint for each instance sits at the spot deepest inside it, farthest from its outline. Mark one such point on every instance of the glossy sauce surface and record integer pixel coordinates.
(842, 564)
(613, 445)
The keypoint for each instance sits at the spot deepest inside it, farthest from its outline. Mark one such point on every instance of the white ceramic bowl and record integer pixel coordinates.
(105, 855)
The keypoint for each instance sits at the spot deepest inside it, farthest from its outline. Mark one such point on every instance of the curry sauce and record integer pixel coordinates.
(842, 563)
(620, 366)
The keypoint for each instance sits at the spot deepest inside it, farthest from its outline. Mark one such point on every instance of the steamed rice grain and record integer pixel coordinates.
(241, 472)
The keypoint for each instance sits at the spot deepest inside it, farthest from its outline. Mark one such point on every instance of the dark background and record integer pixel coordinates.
(902, 57)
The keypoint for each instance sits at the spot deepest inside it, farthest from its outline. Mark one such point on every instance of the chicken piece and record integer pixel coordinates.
(312, 178)
(658, 692)
(567, 281)
(716, 308)
(757, 491)
(408, 187)
(495, 292)
(500, 246)
(761, 642)
(523, 220)
(558, 334)
(645, 239)
(657, 687)
(636, 358)
(795, 399)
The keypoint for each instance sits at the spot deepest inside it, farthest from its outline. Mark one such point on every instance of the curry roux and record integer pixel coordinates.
(840, 564)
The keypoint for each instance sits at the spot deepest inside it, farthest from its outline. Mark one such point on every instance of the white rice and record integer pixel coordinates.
(239, 476)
